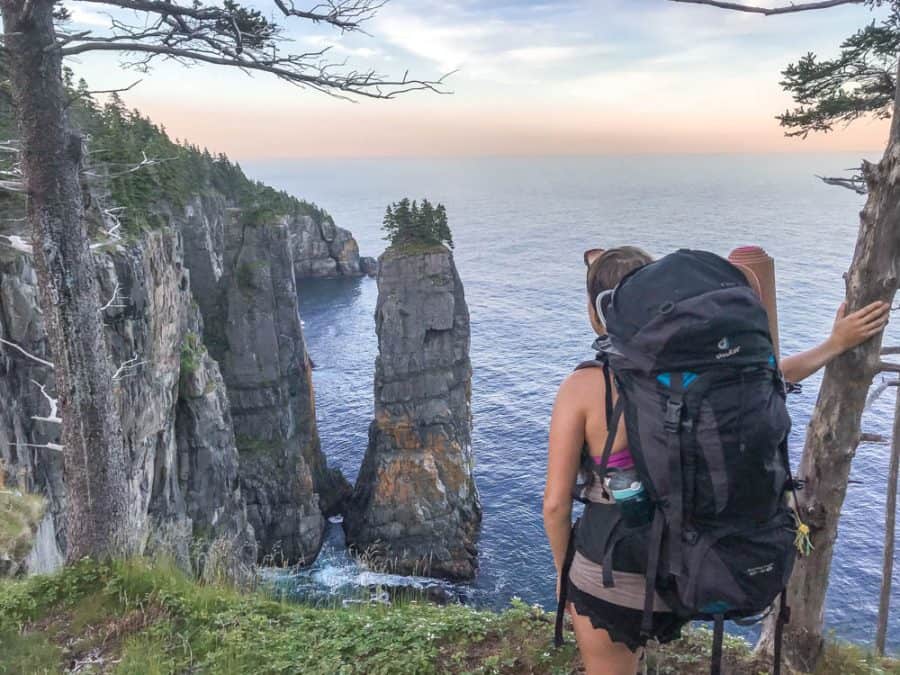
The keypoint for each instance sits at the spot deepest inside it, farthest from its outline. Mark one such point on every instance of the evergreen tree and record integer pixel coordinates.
(409, 223)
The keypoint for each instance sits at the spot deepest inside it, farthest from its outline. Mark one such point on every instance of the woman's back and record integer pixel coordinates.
(588, 395)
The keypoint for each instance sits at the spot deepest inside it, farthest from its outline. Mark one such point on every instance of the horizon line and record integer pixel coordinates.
(557, 155)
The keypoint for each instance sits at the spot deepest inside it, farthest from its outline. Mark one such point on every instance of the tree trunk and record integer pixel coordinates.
(833, 432)
(890, 525)
(95, 465)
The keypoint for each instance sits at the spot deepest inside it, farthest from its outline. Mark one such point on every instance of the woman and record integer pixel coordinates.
(607, 620)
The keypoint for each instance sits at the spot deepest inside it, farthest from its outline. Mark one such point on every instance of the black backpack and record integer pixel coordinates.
(704, 404)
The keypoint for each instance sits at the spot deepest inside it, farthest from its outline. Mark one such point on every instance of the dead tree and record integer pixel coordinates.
(220, 33)
(834, 429)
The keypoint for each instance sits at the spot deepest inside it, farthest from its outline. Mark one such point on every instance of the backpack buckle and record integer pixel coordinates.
(672, 421)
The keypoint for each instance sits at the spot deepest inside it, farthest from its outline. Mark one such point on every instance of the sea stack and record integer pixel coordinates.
(415, 508)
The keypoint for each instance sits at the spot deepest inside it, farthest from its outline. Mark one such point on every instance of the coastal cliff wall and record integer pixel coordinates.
(183, 468)
(215, 392)
(253, 330)
(212, 378)
(324, 250)
(415, 507)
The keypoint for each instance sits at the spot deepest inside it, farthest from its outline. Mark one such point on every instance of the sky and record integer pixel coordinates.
(530, 77)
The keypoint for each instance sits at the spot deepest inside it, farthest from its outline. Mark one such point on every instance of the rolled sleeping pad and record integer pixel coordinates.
(759, 268)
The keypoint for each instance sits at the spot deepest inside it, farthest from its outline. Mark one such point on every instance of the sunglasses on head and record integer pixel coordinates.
(591, 255)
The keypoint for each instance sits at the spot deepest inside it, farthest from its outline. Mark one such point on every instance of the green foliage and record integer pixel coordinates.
(859, 82)
(140, 618)
(257, 446)
(135, 167)
(192, 351)
(409, 224)
(248, 274)
(19, 517)
(845, 659)
(31, 654)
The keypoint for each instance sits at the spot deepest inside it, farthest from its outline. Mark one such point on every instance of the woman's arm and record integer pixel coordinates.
(848, 332)
(566, 440)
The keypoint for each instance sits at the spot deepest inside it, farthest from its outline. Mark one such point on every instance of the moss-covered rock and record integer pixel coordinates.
(20, 515)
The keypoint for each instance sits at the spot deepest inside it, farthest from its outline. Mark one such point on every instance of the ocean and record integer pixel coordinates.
(520, 226)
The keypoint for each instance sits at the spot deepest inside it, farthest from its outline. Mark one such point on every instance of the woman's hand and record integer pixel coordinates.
(849, 331)
(853, 329)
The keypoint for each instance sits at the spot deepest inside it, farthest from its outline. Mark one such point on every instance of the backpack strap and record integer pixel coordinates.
(784, 618)
(715, 667)
(612, 429)
(672, 424)
(654, 546)
(558, 639)
(607, 380)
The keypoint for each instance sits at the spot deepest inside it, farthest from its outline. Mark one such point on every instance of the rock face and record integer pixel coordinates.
(415, 507)
(324, 250)
(185, 496)
(253, 330)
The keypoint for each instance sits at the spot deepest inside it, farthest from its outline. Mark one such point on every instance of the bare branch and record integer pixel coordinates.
(17, 243)
(878, 391)
(12, 185)
(346, 15)
(855, 183)
(873, 438)
(289, 68)
(115, 300)
(890, 351)
(771, 11)
(53, 417)
(887, 367)
(47, 446)
(125, 370)
(241, 37)
(94, 92)
(26, 353)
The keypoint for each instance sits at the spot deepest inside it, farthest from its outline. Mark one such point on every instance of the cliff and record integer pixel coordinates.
(321, 249)
(415, 507)
(185, 498)
(253, 330)
(198, 264)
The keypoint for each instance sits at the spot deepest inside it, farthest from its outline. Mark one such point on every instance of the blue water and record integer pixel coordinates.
(520, 226)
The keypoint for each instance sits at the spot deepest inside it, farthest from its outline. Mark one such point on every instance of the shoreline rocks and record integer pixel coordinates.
(415, 508)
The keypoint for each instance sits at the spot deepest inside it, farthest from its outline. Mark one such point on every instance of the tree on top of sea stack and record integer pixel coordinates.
(48, 170)
(860, 82)
(410, 224)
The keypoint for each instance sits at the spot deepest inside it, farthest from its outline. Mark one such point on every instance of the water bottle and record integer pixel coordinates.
(629, 493)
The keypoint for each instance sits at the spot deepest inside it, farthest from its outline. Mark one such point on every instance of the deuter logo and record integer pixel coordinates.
(762, 569)
(726, 349)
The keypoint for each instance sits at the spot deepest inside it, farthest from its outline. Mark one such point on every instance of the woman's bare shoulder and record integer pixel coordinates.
(587, 382)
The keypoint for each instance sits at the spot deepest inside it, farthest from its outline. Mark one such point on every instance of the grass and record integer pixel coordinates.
(20, 515)
(136, 618)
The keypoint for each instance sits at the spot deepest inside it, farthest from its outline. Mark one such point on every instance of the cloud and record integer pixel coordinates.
(338, 47)
(85, 17)
(544, 55)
